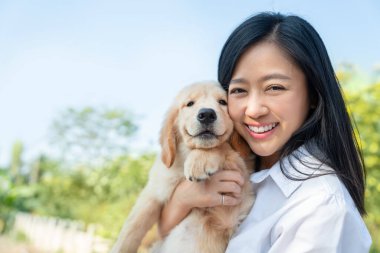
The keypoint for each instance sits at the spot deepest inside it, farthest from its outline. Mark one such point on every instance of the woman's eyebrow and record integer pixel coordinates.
(262, 79)
(274, 76)
(238, 80)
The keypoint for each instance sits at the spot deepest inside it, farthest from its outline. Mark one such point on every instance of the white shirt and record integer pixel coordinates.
(316, 215)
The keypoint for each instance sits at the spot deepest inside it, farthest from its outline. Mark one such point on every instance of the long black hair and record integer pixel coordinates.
(327, 133)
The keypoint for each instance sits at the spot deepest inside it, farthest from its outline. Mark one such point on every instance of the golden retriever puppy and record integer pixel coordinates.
(196, 140)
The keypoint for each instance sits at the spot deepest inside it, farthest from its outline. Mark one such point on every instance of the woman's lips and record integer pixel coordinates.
(261, 131)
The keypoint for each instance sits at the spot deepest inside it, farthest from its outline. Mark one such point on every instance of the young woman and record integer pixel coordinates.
(286, 103)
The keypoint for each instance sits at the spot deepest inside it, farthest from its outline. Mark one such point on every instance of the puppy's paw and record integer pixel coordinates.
(199, 169)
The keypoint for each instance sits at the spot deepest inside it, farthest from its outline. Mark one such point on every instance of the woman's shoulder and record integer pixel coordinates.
(325, 189)
(300, 177)
(319, 181)
(306, 194)
(303, 175)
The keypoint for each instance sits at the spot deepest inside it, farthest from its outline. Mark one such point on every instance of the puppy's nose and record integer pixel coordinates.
(206, 115)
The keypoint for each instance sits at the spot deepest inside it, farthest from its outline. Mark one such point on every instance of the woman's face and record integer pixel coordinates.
(267, 99)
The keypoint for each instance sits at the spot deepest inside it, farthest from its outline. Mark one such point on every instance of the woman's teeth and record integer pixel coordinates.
(262, 129)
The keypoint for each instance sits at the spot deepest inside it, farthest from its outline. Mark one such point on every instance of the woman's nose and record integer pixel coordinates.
(256, 107)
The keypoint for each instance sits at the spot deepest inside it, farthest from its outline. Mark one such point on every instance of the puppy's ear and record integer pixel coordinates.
(240, 145)
(168, 137)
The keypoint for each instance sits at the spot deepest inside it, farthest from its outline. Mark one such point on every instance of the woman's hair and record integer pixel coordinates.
(327, 133)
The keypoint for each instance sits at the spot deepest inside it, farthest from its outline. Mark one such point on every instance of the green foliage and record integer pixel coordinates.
(98, 192)
(13, 197)
(101, 195)
(364, 105)
(115, 188)
(16, 161)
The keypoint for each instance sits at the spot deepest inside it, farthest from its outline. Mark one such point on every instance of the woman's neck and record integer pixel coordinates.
(266, 162)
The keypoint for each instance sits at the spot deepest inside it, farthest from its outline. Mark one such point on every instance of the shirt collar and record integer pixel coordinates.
(288, 186)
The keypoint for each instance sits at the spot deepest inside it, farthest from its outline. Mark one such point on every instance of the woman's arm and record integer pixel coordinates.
(207, 193)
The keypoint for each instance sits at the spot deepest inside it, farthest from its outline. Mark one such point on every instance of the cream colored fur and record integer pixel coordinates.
(185, 154)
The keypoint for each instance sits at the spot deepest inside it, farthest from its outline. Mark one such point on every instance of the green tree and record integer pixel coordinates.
(89, 135)
(100, 193)
(16, 162)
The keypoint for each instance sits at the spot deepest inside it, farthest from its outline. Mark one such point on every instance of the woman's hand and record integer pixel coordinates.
(207, 193)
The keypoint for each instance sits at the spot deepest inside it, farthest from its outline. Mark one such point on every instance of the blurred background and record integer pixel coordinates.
(84, 86)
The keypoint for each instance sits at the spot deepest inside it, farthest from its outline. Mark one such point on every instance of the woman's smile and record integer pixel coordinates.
(261, 131)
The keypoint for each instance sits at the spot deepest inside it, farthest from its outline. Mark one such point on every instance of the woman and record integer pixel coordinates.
(286, 103)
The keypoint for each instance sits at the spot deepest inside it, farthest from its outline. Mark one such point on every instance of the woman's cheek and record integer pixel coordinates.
(234, 110)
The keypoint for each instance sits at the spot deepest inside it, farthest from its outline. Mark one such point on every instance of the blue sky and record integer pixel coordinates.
(138, 54)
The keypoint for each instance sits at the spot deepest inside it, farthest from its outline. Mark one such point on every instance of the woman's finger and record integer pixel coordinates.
(229, 187)
(226, 200)
(228, 175)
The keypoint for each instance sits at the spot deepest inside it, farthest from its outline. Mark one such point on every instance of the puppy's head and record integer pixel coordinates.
(198, 119)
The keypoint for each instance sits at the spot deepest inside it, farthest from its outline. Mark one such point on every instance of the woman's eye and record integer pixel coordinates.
(222, 102)
(275, 87)
(190, 103)
(236, 91)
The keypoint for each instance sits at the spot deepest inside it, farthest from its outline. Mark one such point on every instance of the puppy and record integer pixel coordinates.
(196, 140)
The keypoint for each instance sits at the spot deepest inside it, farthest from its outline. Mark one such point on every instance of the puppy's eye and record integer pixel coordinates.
(190, 103)
(222, 102)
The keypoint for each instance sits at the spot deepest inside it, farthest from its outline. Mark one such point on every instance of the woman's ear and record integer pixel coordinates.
(168, 137)
(240, 145)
